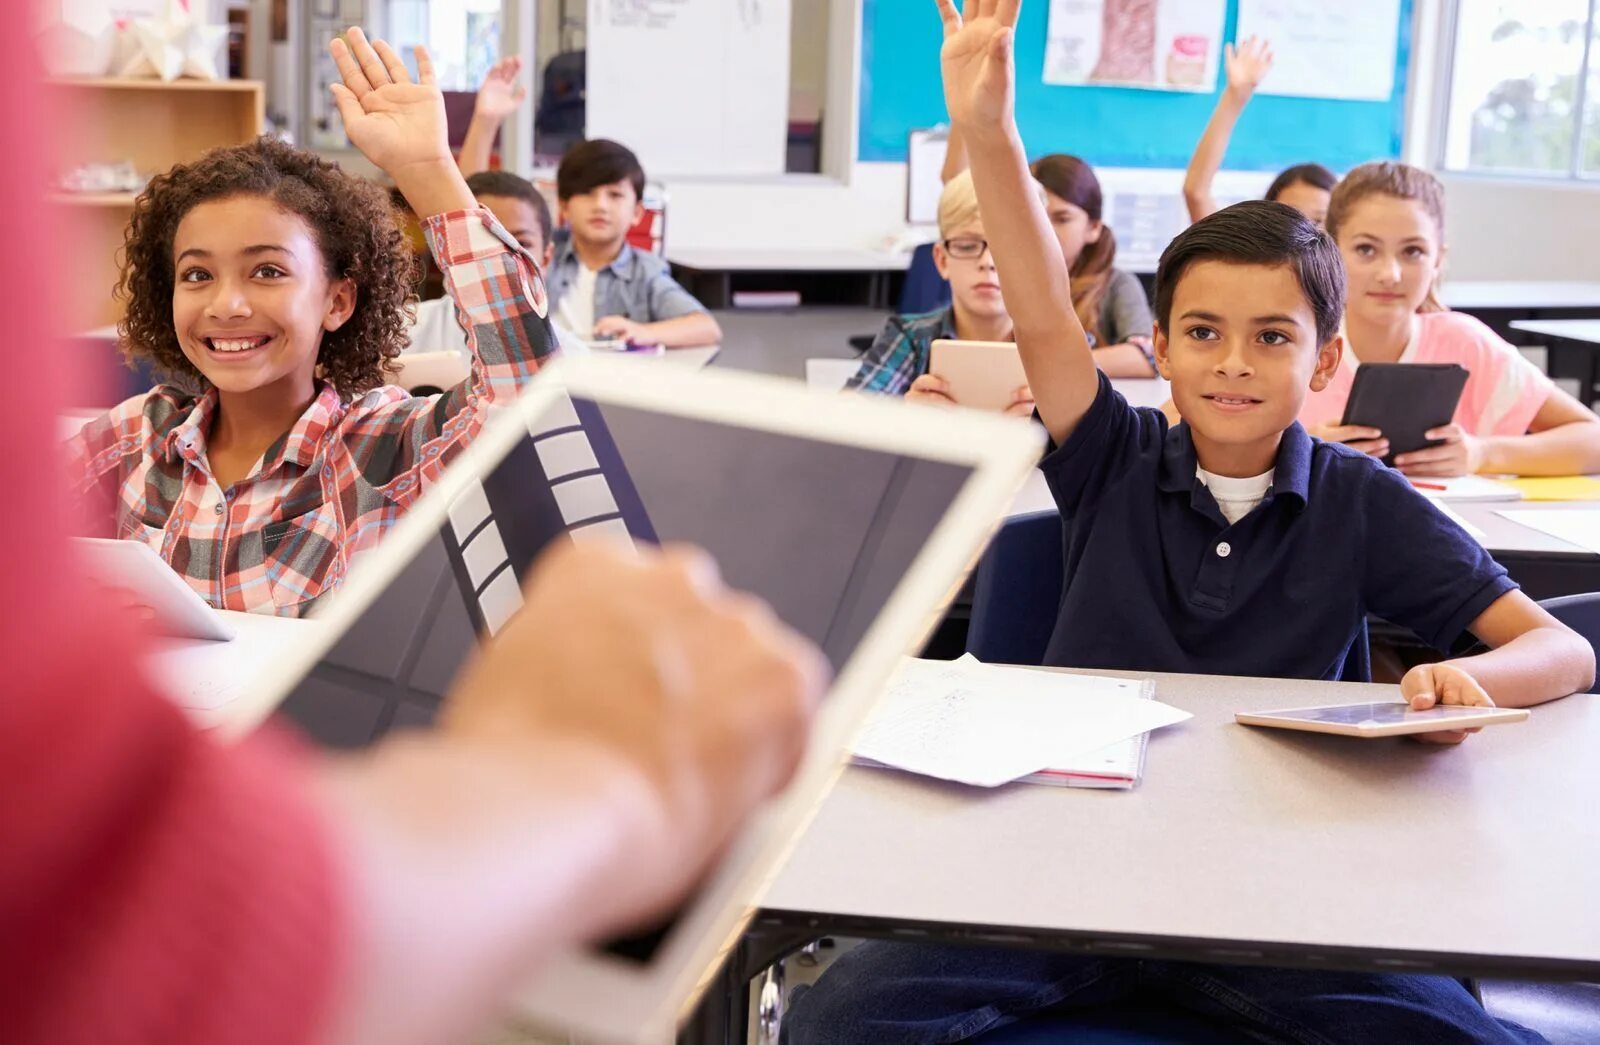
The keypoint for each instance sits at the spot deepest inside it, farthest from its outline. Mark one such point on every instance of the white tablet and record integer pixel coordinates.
(855, 517)
(1386, 719)
(134, 572)
(984, 375)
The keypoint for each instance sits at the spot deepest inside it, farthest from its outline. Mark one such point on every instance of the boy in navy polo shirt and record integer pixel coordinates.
(1232, 543)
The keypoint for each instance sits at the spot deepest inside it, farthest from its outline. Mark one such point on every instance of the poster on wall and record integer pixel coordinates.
(1322, 50)
(1162, 45)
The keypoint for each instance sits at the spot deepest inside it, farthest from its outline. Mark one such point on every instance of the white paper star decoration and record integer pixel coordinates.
(174, 44)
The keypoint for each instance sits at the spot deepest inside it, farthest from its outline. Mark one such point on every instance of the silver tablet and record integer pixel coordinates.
(855, 517)
(1386, 719)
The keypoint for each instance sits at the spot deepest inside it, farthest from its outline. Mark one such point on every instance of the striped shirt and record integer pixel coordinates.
(334, 484)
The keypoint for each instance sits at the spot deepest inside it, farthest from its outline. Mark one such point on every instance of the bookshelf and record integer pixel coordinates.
(153, 125)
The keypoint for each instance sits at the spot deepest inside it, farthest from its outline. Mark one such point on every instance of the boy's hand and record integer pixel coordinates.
(1357, 437)
(622, 327)
(397, 124)
(976, 57)
(500, 94)
(1430, 685)
(1022, 404)
(930, 389)
(1459, 454)
(1247, 64)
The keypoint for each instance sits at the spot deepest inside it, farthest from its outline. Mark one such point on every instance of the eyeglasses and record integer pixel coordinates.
(966, 248)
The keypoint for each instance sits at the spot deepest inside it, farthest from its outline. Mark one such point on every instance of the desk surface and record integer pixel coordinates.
(780, 260)
(1516, 294)
(1477, 858)
(206, 678)
(1568, 329)
(1501, 535)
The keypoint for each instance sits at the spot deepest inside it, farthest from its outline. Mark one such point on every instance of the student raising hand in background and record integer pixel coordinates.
(500, 95)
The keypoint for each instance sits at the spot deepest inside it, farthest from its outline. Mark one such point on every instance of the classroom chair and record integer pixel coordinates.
(924, 290)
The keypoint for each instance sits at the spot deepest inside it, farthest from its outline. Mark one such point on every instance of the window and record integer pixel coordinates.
(462, 37)
(1524, 94)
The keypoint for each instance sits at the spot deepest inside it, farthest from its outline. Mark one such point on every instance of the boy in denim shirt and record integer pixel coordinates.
(1232, 543)
(600, 286)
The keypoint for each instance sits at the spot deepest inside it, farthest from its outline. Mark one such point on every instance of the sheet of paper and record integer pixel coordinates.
(984, 725)
(201, 676)
(1580, 526)
(1465, 488)
(1558, 488)
(1326, 50)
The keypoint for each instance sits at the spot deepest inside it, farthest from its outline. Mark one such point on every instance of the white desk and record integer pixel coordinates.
(1520, 295)
(1574, 348)
(709, 273)
(785, 260)
(1476, 860)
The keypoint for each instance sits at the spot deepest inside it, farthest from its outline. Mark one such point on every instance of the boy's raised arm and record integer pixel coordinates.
(979, 83)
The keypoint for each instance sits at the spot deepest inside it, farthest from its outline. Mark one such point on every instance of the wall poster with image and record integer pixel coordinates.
(1163, 45)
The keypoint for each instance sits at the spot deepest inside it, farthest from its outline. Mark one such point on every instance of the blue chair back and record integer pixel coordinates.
(925, 290)
(1581, 613)
(1016, 596)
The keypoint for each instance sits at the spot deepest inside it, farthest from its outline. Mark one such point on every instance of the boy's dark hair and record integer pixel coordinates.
(512, 186)
(1313, 174)
(355, 229)
(596, 162)
(1259, 232)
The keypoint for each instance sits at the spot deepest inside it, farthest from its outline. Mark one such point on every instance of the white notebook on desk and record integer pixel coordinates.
(1466, 489)
(985, 725)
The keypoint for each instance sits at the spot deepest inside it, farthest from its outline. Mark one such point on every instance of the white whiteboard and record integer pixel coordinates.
(1326, 50)
(691, 86)
(924, 165)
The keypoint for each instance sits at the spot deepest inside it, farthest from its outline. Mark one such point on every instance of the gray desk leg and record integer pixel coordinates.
(723, 1016)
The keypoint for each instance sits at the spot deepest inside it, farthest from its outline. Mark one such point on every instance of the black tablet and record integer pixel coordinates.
(1405, 401)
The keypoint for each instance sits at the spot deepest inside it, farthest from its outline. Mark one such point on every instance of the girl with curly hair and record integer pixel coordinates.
(271, 288)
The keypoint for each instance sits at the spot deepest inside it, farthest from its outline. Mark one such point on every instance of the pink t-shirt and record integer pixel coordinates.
(1504, 391)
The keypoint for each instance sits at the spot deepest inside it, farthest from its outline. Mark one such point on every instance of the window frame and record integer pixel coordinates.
(1574, 174)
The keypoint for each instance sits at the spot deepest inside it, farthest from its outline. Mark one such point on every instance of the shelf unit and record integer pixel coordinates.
(152, 124)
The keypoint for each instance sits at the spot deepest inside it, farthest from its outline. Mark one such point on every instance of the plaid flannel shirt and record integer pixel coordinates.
(900, 354)
(334, 484)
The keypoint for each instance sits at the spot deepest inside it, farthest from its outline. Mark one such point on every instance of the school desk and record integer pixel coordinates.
(1240, 845)
(713, 275)
(1501, 304)
(1574, 347)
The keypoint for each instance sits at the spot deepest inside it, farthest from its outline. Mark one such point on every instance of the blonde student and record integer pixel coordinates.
(1305, 186)
(1110, 302)
(272, 288)
(1388, 221)
(897, 362)
(1230, 544)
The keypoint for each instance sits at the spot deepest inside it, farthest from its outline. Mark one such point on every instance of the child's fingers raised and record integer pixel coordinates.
(367, 58)
(1006, 11)
(948, 14)
(347, 103)
(425, 73)
(393, 64)
(354, 79)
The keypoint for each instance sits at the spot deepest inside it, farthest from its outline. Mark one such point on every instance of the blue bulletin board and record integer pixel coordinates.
(1112, 126)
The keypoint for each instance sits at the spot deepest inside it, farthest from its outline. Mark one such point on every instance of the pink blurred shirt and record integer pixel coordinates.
(1504, 391)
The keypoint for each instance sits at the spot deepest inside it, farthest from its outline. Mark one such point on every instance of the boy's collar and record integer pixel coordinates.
(1291, 465)
(621, 265)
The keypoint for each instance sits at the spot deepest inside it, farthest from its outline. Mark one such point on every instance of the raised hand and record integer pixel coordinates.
(501, 93)
(395, 123)
(1246, 65)
(979, 77)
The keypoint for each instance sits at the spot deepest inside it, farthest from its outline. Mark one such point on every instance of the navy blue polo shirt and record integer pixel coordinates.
(1157, 579)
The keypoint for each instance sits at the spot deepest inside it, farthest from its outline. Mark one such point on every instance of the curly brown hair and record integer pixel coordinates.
(355, 228)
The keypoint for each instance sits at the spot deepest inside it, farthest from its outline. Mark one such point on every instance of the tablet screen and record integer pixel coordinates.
(822, 531)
